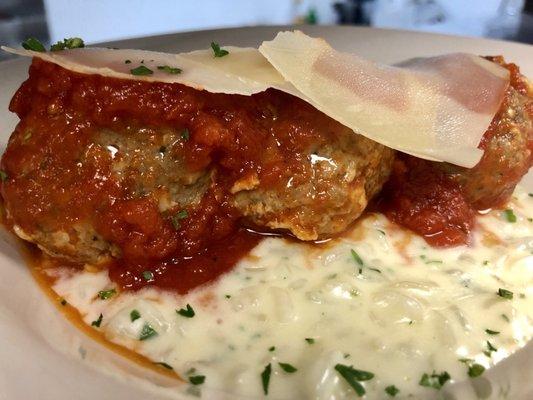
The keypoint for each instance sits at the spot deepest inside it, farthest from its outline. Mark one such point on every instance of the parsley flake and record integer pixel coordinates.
(218, 51)
(147, 332)
(490, 347)
(70, 43)
(3, 175)
(310, 340)
(357, 259)
(33, 44)
(392, 390)
(272, 348)
(434, 380)
(506, 294)
(164, 365)
(106, 294)
(354, 377)
(185, 134)
(288, 368)
(169, 70)
(98, 322)
(197, 379)
(265, 378)
(509, 215)
(475, 370)
(134, 315)
(148, 276)
(187, 313)
(141, 70)
(177, 217)
(491, 332)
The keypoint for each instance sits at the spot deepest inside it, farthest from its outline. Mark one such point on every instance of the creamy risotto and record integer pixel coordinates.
(377, 312)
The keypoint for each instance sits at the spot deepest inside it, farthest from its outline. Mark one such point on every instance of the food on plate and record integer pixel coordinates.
(166, 192)
(440, 200)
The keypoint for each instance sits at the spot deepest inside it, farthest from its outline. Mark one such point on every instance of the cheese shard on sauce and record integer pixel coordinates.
(435, 108)
(244, 71)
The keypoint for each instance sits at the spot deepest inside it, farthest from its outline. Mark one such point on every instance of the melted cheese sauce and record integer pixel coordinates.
(379, 299)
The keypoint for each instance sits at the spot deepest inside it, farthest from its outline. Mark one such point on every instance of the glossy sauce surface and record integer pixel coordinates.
(59, 177)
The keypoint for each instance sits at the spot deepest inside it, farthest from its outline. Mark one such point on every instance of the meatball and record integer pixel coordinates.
(100, 168)
(439, 200)
(346, 173)
(508, 146)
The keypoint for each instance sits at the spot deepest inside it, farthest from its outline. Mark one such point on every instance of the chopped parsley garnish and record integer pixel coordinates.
(98, 322)
(354, 377)
(3, 175)
(310, 340)
(475, 370)
(147, 332)
(505, 317)
(272, 348)
(435, 381)
(288, 368)
(506, 294)
(127, 62)
(106, 294)
(358, 260)
(134, 315)
(197, 379)
(63, 302)
(426, 261)
(169, 70)
(392, 390)
(148, 276)
(490, 348)
(70, 43)
(177, 217)
(164, 365)
(509, 215)
(141, 70)
(218, 51)
(491, 332)
(187, 313)
(185, 135)
(33, 44)
(228, 296)
(265, 378)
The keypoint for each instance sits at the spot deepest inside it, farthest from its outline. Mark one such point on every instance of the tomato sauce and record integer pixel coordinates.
(58, 180)
(62, 188)
(422, 199)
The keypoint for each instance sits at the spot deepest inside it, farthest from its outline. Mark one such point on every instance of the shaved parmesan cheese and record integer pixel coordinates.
(244, 72)
(435, 108)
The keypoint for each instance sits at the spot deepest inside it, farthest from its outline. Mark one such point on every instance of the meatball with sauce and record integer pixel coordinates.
(508, 146)
(439, 200)
(100, 168)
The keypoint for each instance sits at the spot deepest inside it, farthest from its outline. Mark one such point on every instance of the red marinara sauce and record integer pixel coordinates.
(421, 198)
(63, 177)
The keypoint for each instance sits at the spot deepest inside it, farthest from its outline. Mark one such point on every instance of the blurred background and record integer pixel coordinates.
(105, 20)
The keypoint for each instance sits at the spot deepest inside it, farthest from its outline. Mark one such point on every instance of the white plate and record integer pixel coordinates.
(40, 351)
